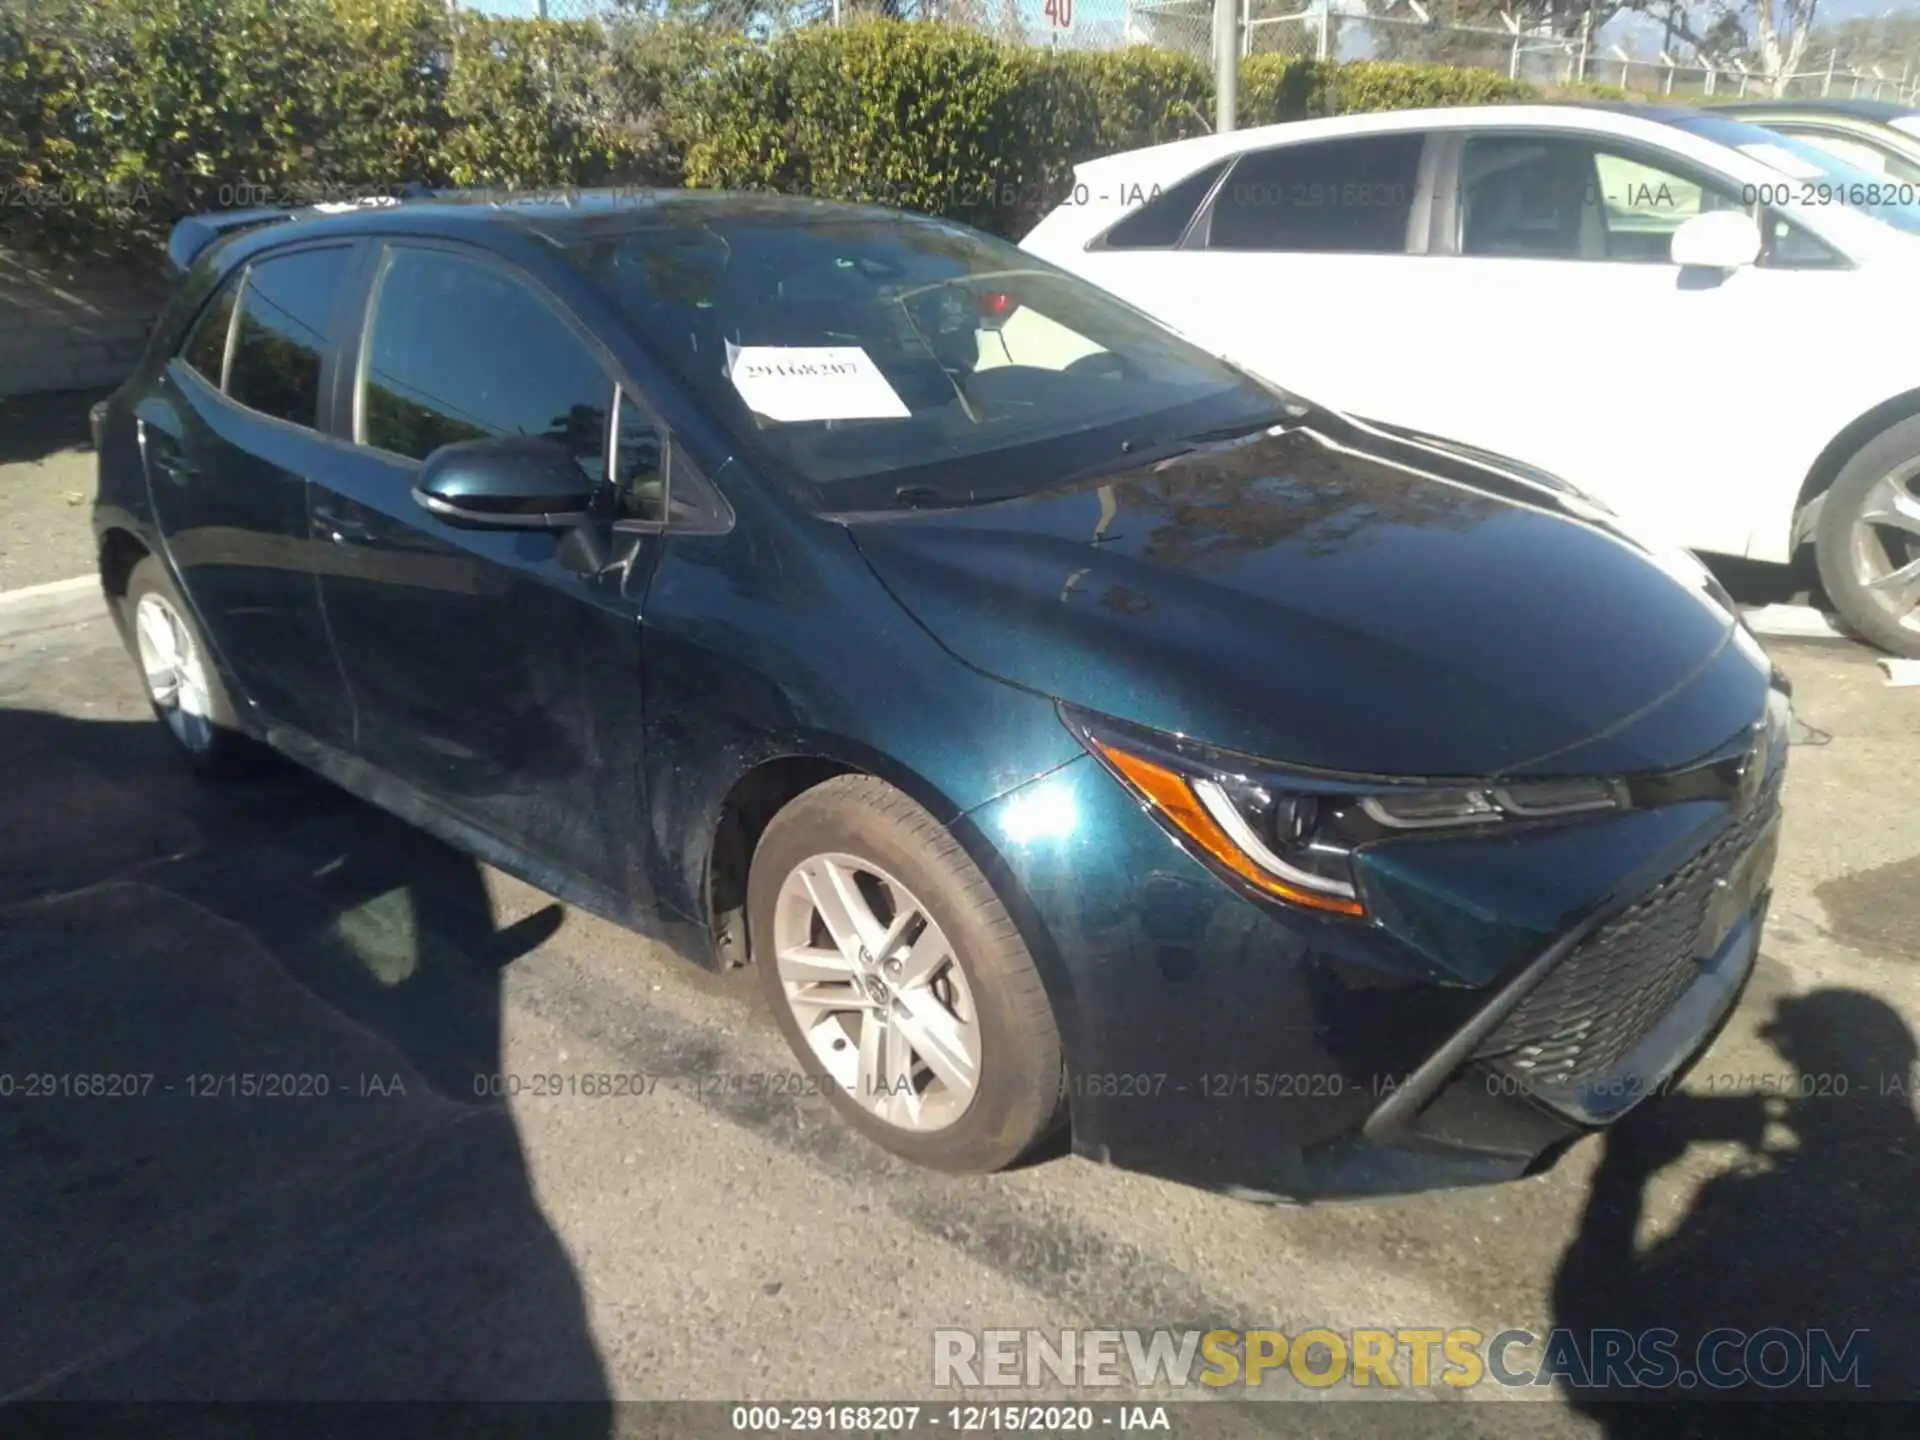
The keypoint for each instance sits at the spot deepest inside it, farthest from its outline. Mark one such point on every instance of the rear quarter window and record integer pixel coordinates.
(287, 308)
(205, 347)
(1159, 223)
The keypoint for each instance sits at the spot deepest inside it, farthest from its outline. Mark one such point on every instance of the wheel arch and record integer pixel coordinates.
(1832, 460)
(120, 550)
(764, 788)
(759, 792)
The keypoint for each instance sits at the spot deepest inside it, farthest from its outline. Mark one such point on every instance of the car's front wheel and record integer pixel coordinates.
(900, 980)
(1868, 540)
(181, 681)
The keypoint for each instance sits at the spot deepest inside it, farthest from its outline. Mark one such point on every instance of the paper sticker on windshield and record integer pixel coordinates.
(1785, 161)
(793, 383)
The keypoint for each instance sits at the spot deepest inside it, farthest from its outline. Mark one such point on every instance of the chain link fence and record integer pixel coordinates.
(1393, 30)
(1068, 24)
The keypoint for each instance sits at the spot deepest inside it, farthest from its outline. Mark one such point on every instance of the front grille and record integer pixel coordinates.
(1586, 1014)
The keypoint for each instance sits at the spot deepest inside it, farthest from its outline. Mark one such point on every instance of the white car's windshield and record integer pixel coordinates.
(1819, 177)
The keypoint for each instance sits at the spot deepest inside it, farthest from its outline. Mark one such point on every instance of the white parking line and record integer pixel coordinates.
(52, 588)
(44, 607)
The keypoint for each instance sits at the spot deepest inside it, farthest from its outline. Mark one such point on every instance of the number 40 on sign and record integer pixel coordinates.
(1060, 14)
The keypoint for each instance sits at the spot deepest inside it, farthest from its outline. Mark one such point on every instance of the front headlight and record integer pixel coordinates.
(1294, 835)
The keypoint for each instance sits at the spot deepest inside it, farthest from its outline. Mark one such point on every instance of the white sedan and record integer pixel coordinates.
(1705, 325)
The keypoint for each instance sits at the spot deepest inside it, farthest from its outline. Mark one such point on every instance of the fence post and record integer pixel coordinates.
(1826, 85)
(1226, 63)
(1586, 37)
(1325, 43)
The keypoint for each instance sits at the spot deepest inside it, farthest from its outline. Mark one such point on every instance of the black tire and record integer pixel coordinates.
(227, 753)
(1892, 448)
(1017, 1100)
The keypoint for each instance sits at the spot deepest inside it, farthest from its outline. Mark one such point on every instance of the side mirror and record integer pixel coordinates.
(1717, 240)
(519, 482)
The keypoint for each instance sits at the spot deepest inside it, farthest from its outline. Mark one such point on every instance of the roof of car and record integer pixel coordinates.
(569, 214)
(562, 216)
(1644, 109)
(1858, 109)
(1596, 116)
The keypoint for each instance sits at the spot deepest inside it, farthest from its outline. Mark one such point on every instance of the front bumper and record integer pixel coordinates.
(1507, 998)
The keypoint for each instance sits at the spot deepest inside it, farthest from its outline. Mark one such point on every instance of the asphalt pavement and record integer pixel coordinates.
(355, 1147)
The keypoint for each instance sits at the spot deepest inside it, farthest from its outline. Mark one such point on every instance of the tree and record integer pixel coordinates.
(1890, 41)
(1447, 38)
(1770, 34)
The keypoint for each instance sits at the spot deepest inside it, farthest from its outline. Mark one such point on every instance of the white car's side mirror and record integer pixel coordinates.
(1717, 240)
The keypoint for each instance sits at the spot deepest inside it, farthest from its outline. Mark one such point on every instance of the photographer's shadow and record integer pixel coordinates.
(246, 1039)
(1812, 1231)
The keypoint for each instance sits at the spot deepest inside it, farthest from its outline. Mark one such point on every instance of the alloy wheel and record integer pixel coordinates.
(1886, 545)
(175, 672)
(877, 991)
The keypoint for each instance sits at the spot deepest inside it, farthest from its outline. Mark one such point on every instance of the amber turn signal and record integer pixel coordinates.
(1170, 793)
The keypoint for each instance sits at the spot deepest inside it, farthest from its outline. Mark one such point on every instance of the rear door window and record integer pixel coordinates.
(287, 307)
(1353, 196)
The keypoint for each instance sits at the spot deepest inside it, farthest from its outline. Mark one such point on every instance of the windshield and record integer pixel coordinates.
(1825, 179)
(880, 362)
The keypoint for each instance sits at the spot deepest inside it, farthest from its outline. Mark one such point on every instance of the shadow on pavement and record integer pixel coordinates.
(245, 1037)
(35, 426)
(1812, 1231)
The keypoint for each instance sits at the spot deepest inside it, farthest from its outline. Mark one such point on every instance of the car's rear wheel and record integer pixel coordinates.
(182, 683)
(1868, 540)
(900, 980)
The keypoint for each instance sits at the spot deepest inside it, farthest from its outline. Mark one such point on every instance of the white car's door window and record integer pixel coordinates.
(1546, 197)
(1349, 197)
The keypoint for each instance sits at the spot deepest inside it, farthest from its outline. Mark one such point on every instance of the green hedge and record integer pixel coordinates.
(952, 122)
(932, 118)
(118, 116)
(1274, 88)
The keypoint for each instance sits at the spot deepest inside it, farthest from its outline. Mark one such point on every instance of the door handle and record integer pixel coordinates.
(341, 529)
(176, 467)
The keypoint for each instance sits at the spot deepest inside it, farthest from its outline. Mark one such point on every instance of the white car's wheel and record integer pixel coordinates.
(1868, 540)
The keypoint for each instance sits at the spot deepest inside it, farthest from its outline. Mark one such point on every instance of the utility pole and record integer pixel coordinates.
(1226, 63)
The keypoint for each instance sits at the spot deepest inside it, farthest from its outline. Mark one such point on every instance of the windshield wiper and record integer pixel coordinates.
(1132, 454)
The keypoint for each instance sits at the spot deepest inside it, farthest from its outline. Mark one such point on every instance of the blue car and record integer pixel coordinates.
(1071, 731)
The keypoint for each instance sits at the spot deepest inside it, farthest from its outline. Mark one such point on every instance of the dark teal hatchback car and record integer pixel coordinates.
(1069, 729)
